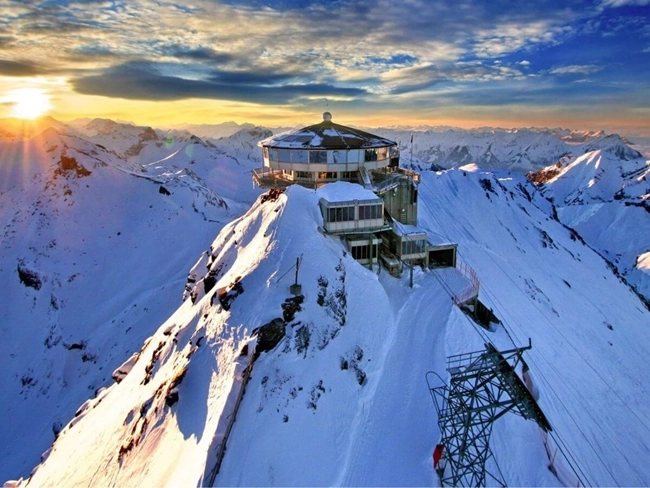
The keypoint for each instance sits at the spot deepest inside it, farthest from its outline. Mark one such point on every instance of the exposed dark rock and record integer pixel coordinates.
(272, 195)
(291, 306)
(163, 191)
(208, 282)
(302, 338)
(322, 290)
(227, 297)
(269, 335)
(171, 398)
(29, 277)
(70, 164)
(148, 370)
(56, 428)
(487, 185)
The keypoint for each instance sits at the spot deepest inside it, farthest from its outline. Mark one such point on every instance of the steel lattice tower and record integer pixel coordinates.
(483, 386)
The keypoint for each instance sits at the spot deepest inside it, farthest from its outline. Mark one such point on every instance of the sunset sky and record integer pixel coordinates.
(576, 64)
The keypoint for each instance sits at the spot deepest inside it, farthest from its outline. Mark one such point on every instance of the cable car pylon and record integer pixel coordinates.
(483, 386)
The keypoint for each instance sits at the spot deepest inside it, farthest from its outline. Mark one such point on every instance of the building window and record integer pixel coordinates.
(367, 212)
(318, 156)
(285, 155)
(340, 214)
(360, 252)
(327, 175)
(414, 247)
(353, 156)
(300, 156)
(335, 157)
(382, 153)
(265, 151)
(365, 251)
(371, 155)
(303, 174)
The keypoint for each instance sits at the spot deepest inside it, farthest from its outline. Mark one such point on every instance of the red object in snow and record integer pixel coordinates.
(437, 455)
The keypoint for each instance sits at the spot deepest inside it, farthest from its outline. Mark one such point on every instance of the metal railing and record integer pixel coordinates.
(475, 284)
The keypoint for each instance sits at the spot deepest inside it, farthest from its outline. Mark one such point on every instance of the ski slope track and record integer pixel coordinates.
(342, 399)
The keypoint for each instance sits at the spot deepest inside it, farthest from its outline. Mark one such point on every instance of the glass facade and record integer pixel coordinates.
(414, 247)
(340, 214)
(336, 156)
(367, 212)
(365, 251)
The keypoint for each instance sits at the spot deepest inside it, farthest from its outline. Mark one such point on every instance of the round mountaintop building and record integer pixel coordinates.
(323, 153)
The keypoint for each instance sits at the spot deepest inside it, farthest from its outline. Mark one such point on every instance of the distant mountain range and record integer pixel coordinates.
(101, 222)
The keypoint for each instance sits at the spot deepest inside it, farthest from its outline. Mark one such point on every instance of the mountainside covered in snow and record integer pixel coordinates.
(342, 398)
(606, 199)
(520, 150)
(101, 223)
(95, 251)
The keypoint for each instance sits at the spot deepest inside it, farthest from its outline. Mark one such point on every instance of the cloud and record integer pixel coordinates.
(624, 3)
(203, 54)
(21, 68)
(576, 69)
(423, 77)
(144, 81)
(280, 52)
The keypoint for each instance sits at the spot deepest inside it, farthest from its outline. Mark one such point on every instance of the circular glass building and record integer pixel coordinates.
(322, 153)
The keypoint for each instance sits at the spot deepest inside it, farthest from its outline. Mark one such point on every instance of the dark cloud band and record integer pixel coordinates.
(143, 81)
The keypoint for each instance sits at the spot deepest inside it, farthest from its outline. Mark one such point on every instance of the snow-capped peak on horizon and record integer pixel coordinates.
(99, 230)
(345, 385)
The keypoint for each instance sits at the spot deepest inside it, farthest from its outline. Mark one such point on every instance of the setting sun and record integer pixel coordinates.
(28, 103)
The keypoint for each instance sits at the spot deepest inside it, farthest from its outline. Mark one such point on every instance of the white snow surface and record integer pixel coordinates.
(607, 201)
(350, 405)
(102, 256)
(519, 150)
(342, 400)
(341, 191)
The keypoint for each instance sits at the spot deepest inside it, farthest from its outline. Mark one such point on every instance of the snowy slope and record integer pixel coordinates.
(342, 399)
(519, 150)
(590, 334)
(606, 198)
(223, 164)
(94, 257)
(215, 131)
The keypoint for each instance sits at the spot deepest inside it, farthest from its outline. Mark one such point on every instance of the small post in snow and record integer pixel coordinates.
(296, 289)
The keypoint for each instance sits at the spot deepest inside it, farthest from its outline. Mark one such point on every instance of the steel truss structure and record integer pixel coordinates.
(483, 386)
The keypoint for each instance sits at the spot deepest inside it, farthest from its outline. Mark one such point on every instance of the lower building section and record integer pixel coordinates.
(364, 248)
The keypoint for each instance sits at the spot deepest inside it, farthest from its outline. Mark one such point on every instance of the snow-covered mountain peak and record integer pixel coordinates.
(171, 407)
(344, 386)
(605, 195)
(613, 144)
(93, 268)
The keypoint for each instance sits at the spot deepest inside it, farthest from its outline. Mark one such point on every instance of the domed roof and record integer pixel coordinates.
(326, 135)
